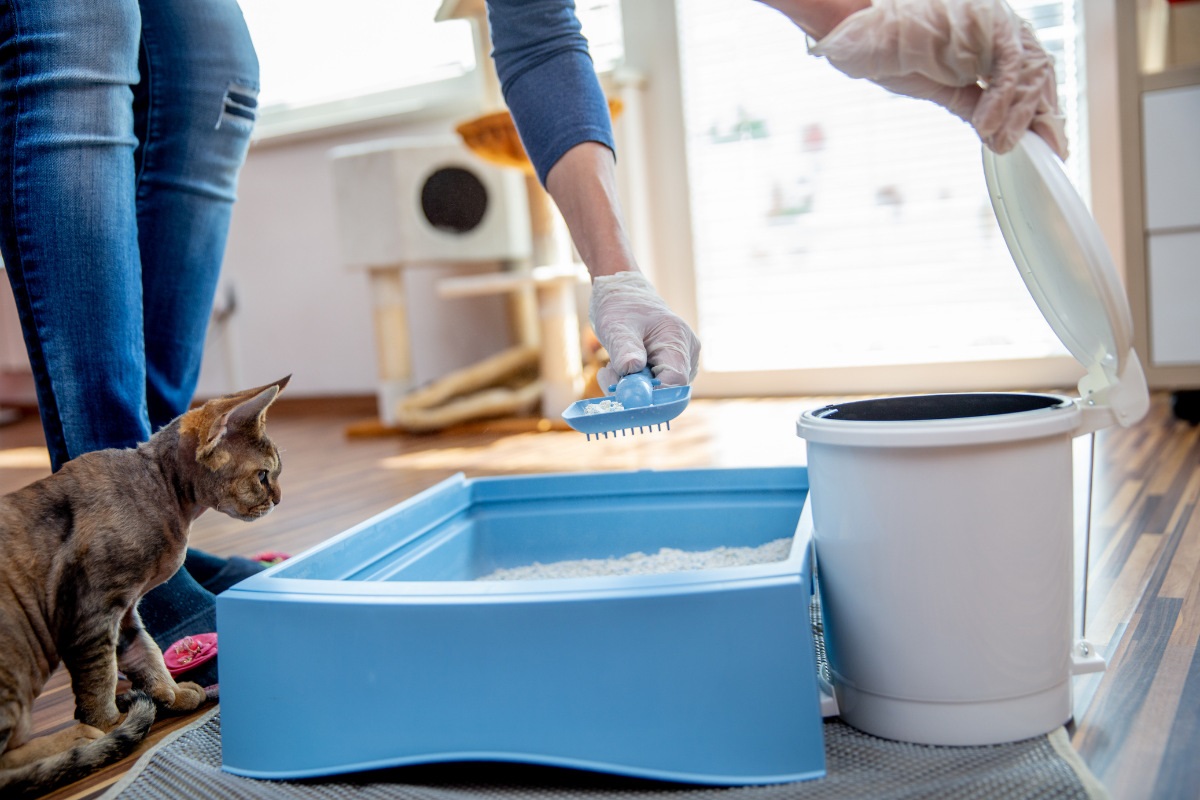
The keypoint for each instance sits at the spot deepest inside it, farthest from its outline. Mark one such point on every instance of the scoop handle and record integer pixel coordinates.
(636, 390)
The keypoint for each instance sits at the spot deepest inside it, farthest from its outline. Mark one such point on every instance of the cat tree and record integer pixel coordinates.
(542, 373)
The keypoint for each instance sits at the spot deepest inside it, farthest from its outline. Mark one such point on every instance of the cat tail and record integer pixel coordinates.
(38, 778)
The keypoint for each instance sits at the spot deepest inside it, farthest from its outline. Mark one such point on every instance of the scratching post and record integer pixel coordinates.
(555, 274)
(393, 348)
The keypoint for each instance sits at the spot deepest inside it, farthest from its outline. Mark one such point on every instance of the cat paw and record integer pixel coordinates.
(82, 734)
(104, 718)
(48, 745)
(188, 697)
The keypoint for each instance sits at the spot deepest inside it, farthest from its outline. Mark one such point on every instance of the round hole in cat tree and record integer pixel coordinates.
(454, 200)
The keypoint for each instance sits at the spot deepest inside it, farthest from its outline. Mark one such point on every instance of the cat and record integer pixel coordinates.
(79, 549)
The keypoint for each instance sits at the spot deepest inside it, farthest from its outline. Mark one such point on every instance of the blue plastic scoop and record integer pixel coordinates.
(635, 405)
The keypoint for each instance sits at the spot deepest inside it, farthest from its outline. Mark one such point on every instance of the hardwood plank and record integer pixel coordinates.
(1107, 741)
(1188, 498)
(1120, 596)
(1175, 455)
(1147, 697)
(1159, 713)
(1178, 773)
(1117, 535)
(1182, 571)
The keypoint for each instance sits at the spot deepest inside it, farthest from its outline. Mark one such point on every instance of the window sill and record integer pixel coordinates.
(459, 95)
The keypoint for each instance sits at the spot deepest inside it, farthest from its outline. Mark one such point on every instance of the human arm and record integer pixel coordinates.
(548, 79)
(559, 109)
(629, 318)
(817, 17)
(976, 58)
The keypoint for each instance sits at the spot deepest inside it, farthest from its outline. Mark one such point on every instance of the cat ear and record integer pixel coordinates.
(251, 414)
(212, 436)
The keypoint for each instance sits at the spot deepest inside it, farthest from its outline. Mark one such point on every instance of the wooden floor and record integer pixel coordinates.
(1138, 723)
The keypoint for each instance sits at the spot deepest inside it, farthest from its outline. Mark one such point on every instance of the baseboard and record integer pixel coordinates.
(326, 405)
(17, 390)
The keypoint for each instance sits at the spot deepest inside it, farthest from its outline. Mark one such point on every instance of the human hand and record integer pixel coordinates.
(636, 327)
(976, 58)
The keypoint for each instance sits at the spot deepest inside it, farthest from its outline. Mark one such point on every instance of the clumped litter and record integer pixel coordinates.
(667, 559)
(603, 407)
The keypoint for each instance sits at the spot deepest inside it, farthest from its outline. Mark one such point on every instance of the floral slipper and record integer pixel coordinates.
(190, 652)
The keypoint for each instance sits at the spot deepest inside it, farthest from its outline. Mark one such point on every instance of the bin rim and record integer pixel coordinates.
(1062, 418)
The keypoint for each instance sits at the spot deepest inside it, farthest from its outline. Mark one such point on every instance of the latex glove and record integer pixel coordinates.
(944, 50)
(635, 326)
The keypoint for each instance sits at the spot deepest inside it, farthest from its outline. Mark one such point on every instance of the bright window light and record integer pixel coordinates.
(836, 224)
(316, 53)
(312, 53)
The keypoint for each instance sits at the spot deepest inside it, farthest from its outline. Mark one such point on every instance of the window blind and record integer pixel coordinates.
(836, 224)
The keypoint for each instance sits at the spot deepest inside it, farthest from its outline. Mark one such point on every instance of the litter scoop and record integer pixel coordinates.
(635, 405)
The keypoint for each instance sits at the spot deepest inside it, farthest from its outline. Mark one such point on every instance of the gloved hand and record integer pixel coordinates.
(635, 326)
(976, 58)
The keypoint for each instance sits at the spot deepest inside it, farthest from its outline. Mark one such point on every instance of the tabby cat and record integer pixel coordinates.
(80, 548)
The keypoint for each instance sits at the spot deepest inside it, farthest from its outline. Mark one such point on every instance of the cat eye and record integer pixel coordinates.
(262, 477)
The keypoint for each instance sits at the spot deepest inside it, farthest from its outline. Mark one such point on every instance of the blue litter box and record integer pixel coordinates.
(379, 648)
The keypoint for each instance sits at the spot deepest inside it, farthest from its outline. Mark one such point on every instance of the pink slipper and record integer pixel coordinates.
(190, 652)
(270, 557)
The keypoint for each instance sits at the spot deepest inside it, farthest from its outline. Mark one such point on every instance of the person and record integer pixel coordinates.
(976, 58)
(125, 125)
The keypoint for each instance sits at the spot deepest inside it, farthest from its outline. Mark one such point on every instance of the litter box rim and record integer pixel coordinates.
(463, 491)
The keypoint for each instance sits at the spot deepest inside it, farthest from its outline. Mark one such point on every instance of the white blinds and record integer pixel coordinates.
(836, 224)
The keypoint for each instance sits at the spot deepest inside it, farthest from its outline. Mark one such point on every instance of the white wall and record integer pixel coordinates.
(298, 310)
(1107, 204)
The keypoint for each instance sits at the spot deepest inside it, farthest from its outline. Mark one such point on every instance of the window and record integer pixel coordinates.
(312, 53)
(323, 64)
(835, 224)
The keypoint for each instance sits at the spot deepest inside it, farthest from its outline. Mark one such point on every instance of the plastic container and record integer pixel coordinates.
(379, 648)
(943, 523)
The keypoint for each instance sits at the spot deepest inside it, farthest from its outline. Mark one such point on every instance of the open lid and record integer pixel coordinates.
(1068, 270)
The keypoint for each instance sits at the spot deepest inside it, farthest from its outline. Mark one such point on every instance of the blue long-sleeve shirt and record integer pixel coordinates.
(548, 79)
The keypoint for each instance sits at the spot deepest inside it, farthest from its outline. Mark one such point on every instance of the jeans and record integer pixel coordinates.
(124, 124)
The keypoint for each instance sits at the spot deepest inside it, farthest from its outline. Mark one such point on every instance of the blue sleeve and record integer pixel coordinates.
(548, 79)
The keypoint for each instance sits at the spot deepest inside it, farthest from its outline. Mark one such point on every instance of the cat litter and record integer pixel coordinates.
(603, 407)
(667, 559)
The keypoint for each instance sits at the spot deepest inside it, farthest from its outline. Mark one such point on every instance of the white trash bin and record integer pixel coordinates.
(943, 523)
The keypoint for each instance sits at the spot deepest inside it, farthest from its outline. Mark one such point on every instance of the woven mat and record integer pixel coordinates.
(187, 766)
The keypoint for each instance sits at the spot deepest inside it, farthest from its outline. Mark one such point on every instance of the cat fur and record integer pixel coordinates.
(81, 547)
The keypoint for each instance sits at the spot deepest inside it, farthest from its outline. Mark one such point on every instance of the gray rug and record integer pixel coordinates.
(187, 766)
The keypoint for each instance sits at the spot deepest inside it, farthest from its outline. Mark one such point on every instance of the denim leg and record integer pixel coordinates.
(116, 212)
(194, 112)
(69, 229)
(114, 241)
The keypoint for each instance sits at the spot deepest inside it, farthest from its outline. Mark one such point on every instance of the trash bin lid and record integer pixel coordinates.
(1067, 268)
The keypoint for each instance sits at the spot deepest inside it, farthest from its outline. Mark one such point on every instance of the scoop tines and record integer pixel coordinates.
(635, 405)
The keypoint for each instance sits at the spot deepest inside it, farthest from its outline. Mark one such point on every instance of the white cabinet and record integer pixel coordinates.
(1174, 277)
(1171, 158)
(1157, 129)
(1171, 207)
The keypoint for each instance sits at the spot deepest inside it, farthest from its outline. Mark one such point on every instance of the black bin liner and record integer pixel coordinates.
(937, 406)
